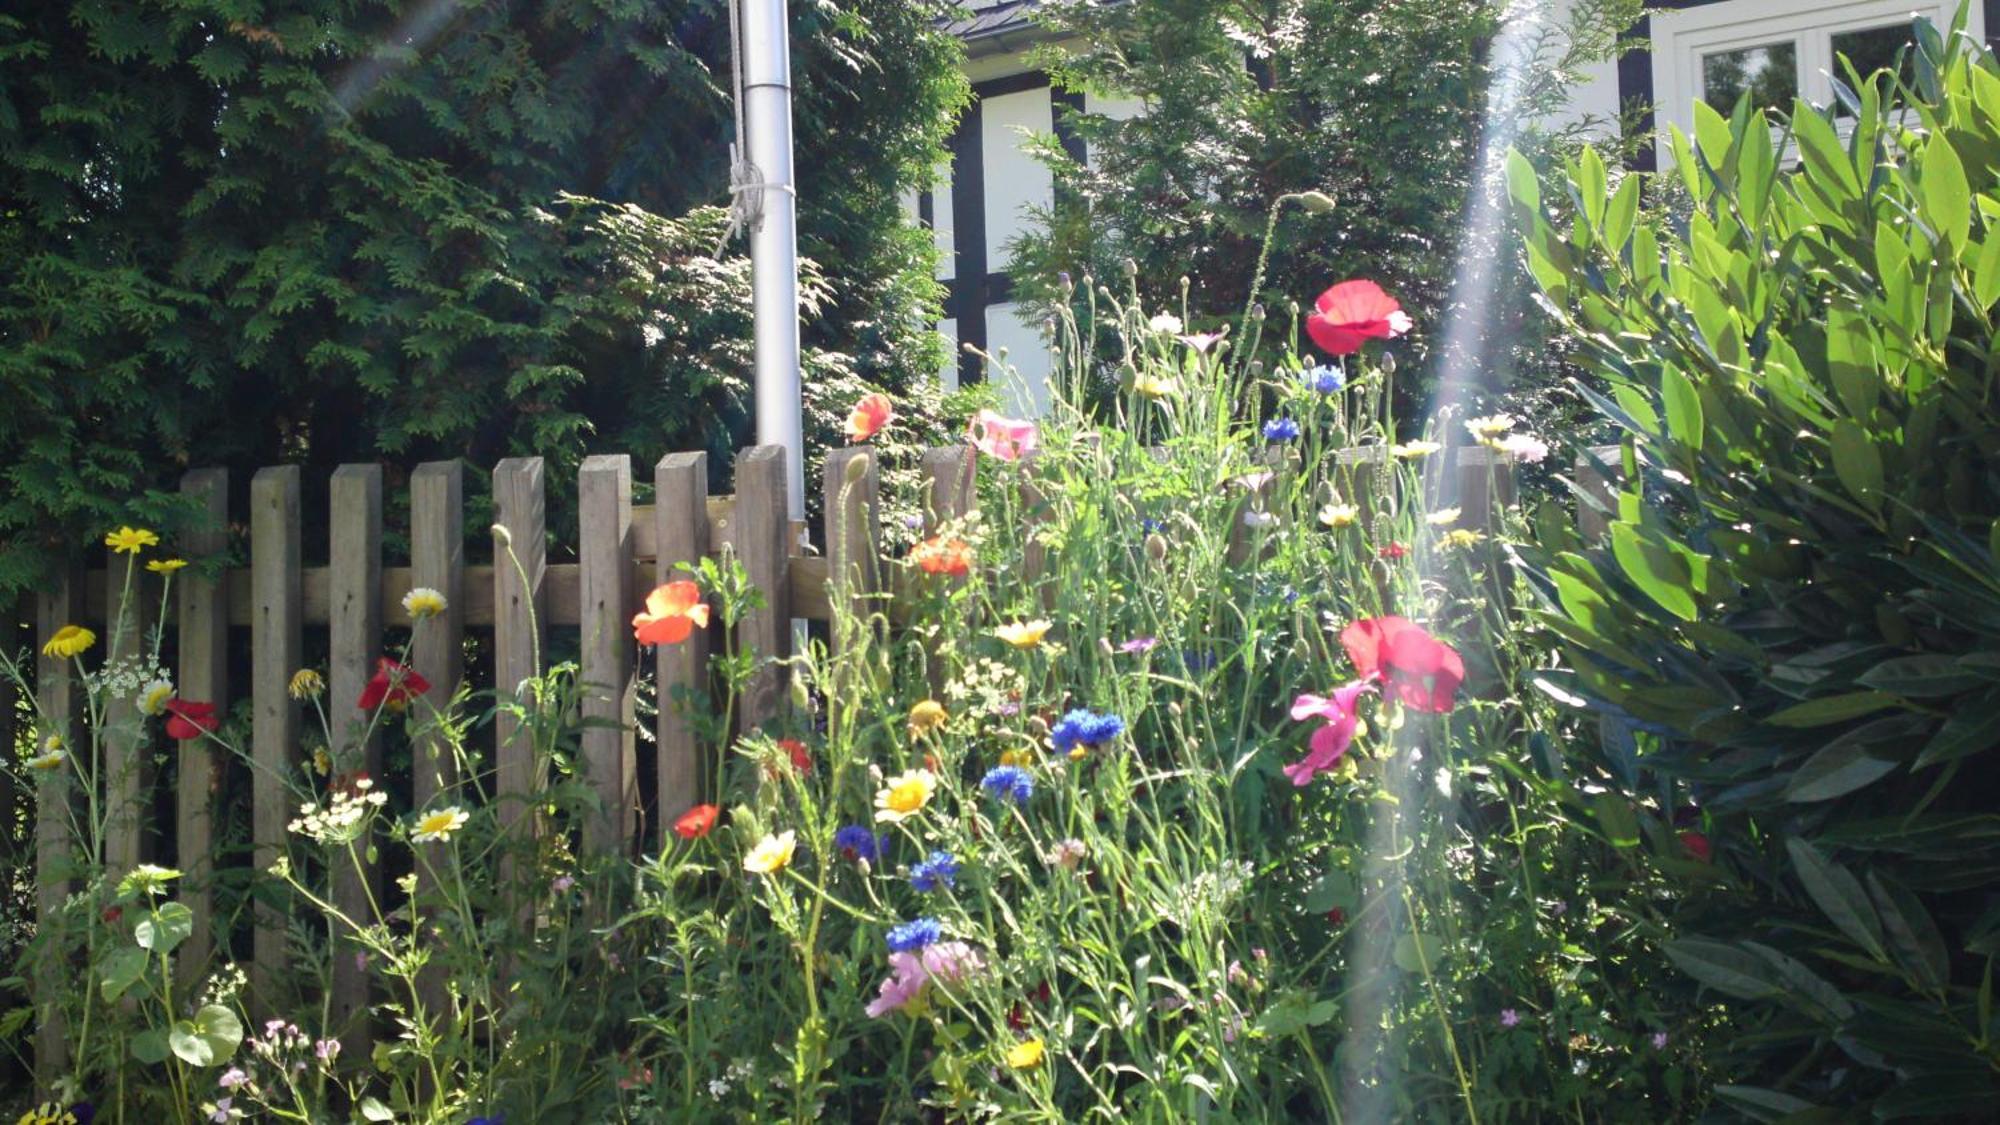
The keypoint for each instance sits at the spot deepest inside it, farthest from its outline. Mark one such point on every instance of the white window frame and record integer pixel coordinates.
(1684, 37)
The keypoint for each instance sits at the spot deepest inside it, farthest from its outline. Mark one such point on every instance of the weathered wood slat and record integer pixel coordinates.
(521, 506)
(646, 528)
(948, 470)
(55, 851)
(437, 645)
(682, 530)
(853, 567)
(276, 647)
(762, 534)
(355, 567)
(1485, 485)
(127, 778)
(203, 642)
(604, 509)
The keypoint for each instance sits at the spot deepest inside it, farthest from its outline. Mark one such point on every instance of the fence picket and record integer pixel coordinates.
(1485, 485)
(355, 573)
(762, 533)
(521, 506)
(681, 534)
(128, 774)
(949, 472)
(437, 651)
(604, 504)
(852, 482)
(277, 644)
(56, 685)
(203, 641)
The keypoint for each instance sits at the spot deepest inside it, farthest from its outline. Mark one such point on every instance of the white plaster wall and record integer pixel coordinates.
(1015, 181)
(1024, 390)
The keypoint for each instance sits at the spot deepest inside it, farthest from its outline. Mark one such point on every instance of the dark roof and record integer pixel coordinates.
(985, 19)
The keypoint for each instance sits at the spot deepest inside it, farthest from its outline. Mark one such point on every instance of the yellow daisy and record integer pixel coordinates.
(306, 684)
(1443, 517)
(130, 540)
(439, 825)
(1025, 1055)
(1461, 537)
(1411, 449)
(69, 641)
(153, 700)
(423, 602)
(50, 757)
(1339, 515)
(166, 566)
(926, 717)
(1023, 634)
(1152, 386)
(1490, 427)
(904, 796)
(771, 854)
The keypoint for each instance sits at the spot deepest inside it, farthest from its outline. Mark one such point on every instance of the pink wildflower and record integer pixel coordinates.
(1008, 439)
(1329, 742)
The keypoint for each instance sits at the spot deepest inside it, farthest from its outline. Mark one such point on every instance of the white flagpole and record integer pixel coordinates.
(774, 249)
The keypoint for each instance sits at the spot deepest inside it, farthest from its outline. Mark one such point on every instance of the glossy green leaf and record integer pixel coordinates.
(1415, 951)
(1857, 463)
(1945, 193)
(150, 1046)
(1832, 709)
(166, 928)
(1725, 968)
(1838, 895)
(1683, 405)
(1921, 677)
(120, 970)
(1655, 571)
(1973, 728)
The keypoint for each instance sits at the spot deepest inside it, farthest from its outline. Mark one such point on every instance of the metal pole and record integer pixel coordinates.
(774, 250)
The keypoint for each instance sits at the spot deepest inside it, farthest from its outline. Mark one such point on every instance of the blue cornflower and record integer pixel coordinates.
(857, 843)
(1087, 729)
(1326, 380)
(1281, 429)
(939, 869)
(1008, 783)
(1150, 524)
(914, 935)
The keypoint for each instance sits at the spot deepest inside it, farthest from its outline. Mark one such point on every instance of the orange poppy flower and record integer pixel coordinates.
(672, 612)
(939, 555)
(696, 822)
(870, 414)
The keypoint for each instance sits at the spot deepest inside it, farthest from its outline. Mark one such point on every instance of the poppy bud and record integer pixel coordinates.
(1317, 202)
(1257, 312)
(1063, 282)
(1038, 726)
(502, 536)
(1156, 547)
(1104, 646)
(1388, 363)
(1131, 268)
(1174, 709)
(856, 470)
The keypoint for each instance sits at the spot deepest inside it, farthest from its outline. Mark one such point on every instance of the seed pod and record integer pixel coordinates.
(1156, 547)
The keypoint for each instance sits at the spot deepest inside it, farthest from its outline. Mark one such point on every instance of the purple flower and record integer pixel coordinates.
(1326, 380)
(1659, 1041)
(326, 1050)
(938, 870)
(1509, 1017)
(858, 844)
(1139, 644)
(562, 883)
(1008, 783)
(914, 935)
(1281, 430)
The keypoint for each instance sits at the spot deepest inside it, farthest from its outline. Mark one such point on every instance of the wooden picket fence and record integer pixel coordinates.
(622, 549)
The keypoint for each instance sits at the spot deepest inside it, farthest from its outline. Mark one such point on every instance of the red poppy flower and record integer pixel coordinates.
(938, 555)
(188, 720)
(1422, 670)
(1393, 552)
(673, 610)
(1697, 845)
(696, 822)
(393, 685)
(870, 414)
(801, 757)
(1352, 312)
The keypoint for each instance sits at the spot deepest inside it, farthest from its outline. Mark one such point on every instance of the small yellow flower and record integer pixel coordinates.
(1025, 1055)
(1023, 634)
(306, 684)
(322, 761)
(70, 641)
(771, 854)
(1019, 758)
(1443, 517)
(1339, 515)
(1413, 449)
(166, 566)
(904, 796)
(439, 825)
(130, 540)
(1154, 387)
(422, 602)
(1491, 427)
(153, 700)
(1460, 538)
(50, 757)
(926, 717)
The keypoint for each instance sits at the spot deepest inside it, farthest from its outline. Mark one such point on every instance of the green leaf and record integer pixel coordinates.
(188, 1045)
(168, 926)
(1725, 968)
(1946, 196)
(1334, 887)
(1837, 769)
(220, 1029)
(1986, 275)
(1832, 709)
(1825, 161)
(1414, 951)
(1654, 570)
(1973, 727)
(1913, 936)
(1615, 817)
(1622, 215)
(1752, 1099)
(150, 1046)
(373, 1110)
(1857, 463)
(1590, 185)
(1683, 404)
(1920, 677)
(1522, 184)
(1851, 361)
(122, 969)
(1838, 895)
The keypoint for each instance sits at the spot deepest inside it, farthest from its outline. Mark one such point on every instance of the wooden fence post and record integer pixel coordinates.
(852, 483)
(604, 503)
(355, 616)
(204, 677)
(949, 470)
(680, 523)
(520, 505)
(437, 650)
(1485, 485)
(55, 848)
(763, 544)
(276, 646)
(127, 763)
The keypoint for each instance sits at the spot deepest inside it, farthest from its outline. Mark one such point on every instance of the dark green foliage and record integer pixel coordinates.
(1382, 105)
(244, 233)
(1797, 608)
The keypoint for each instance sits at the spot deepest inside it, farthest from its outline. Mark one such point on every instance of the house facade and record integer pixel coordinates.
(1692, 50)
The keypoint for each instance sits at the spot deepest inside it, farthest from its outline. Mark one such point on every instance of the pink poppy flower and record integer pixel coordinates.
(1353, 312)
(950, 961)
(1330, 742)
(902, 988)
(1008, 439)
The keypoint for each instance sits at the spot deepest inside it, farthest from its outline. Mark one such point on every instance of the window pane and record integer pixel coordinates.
(1871, 50)
(1769, 74)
